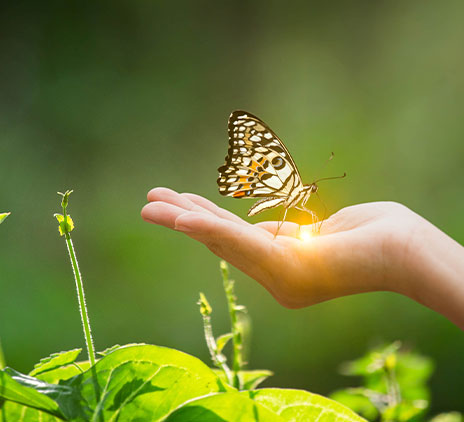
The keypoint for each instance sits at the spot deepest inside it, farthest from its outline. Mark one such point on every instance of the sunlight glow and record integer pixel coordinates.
(305, 235)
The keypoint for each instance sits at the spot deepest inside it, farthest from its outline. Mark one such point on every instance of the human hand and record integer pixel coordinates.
(362, 248)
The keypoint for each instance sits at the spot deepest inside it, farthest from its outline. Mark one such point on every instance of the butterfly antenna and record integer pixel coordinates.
(330, 178)
(326, 162)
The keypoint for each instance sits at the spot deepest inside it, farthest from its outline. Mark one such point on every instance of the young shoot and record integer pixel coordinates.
(240, 327)
(236, 330)
(65, 227)
(215, 348)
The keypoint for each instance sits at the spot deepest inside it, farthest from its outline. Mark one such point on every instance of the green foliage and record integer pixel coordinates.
(65, 222)
(29, 392)
(355, 399)
(448, 417)
(238, 360)
(54, 361)
(394, 384)
(239, 334)
(3, 216)
(224, 407)
(250, 378)
(222, 341)
(152, 383)
(64, 226)
(298, 405)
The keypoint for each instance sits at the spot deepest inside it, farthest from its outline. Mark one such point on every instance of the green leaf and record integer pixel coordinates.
(142, 383)
(68, 399)
(62, 227)
(448, 417)
(221, 341)
(55, 360)
(412, 374)
(357, 402)
(223, 407)
(65, 198)
(373, 362)
(62, 373)
(3, 215)
(409, 370)
(111, 349)
(30, 392)
(299, 405)
(14, 412)
(251, 379)
(404, 411)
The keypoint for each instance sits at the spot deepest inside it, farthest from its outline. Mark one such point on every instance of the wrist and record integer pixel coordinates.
(428, 267)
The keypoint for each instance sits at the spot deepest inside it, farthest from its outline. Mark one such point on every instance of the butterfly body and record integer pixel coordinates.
(258, 165)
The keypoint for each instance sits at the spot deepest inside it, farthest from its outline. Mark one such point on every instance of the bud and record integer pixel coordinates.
(205, 307)
(390, 361)
(224, 269)
(64, 201)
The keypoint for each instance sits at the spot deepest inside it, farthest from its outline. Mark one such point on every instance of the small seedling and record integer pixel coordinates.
(66, 226)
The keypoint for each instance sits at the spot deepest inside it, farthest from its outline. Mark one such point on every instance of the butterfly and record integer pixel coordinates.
(258, 165)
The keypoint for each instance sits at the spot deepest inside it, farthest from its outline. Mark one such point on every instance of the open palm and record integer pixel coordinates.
(352, 253)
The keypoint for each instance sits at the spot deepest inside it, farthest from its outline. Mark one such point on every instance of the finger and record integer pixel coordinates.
(246, 247)
(211, 206)
(172, 197)
(162, 213)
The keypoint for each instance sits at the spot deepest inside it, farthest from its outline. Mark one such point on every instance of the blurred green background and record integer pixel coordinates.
(114, 98)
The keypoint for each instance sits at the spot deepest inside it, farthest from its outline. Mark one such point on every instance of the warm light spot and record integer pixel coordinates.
(305, 235)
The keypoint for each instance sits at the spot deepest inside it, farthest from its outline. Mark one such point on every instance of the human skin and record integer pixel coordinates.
(378, 246)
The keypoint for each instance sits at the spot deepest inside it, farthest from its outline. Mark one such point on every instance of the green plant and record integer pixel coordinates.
(394, 385)
(152, 383)
(237, 377)
(66, 226)
(141, 382)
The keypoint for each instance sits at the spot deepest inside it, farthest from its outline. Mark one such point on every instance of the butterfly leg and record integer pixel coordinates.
(314, 218)
(279, 225)
(325, 211)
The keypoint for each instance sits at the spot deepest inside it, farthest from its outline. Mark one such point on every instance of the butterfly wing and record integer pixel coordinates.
(257, 164)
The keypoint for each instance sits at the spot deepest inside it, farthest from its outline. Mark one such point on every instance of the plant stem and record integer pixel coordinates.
(218, 358)
(81, 297)
(235, 329)
(66, 228)
(393, 389)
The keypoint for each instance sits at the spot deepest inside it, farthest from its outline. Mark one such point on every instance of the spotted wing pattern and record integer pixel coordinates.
(257, 164)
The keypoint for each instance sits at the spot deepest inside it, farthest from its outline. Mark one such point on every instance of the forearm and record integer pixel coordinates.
(432, 267)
